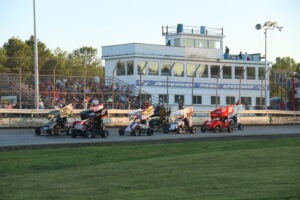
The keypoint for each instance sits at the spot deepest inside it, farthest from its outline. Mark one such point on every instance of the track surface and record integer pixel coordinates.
(26, 137)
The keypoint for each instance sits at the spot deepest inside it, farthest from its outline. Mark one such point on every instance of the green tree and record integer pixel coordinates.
(61, 58)
(285, 64)
(19, 56)
(3, 60)
(44, 55)
(282, 70)
(85, 58)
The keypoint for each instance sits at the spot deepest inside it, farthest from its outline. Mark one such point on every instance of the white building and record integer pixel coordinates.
(190, 68)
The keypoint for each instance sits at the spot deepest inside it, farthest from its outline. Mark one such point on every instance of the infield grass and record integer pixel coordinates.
(237, 169)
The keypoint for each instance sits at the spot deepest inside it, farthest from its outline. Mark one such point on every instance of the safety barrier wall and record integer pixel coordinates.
(28, 118)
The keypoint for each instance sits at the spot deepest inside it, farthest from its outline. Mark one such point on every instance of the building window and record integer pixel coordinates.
(260, 102)
(188, 42)
(129, 67)
(230, 100)
(246, 100)
(227, 72)
(179, 99)
(239, 72)
(178, 69)
(213, 100)
(197, 99)
(177, 42)
(166, 69)
(261, 73)
(201, 43)
(203, 71)
(215, 44)
(251, 73)
(141, 65)
(120, 68)
(215, 71)
(190, 70)
(152, 68)
(163, 98)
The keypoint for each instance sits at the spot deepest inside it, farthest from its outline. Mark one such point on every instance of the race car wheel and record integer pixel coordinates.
(136, 132)
(122, 131)
(229, 129)
(149, 132)
(181, 130)
(38, 131)
(73, 134)
(216, 129)
(89, 134)
(192, 130)
(104, 133)
(241, 127)
(51, 132)
(69, 130)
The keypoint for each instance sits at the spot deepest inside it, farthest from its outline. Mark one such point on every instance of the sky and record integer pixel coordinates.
(71, 24)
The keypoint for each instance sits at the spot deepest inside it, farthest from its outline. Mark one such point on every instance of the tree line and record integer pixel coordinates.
(16, 56)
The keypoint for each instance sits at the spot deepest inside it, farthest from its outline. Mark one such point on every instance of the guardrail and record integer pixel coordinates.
(27, 118)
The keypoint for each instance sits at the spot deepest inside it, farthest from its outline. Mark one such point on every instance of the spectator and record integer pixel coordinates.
(95, 101)
(41, 104)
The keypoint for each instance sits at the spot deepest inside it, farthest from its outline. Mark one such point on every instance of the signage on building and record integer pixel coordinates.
(197, 85)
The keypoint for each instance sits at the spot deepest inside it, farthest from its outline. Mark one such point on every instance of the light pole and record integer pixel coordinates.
(293, 91)
(140, 93)
(170, 72)
(268, 25)
(113, 84)
(84, 88)
(194, 74)
(20, 87)
(217, 85)
(54, 84)
(240, 88)
(36, 67)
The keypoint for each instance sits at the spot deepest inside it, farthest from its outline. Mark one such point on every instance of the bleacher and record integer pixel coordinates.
(111, 91)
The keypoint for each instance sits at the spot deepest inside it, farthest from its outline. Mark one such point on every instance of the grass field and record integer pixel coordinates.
(237, 169)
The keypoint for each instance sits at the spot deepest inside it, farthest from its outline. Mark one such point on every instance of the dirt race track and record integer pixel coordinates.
(17, 138)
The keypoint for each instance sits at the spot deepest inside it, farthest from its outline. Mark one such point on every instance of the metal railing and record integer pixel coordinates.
(76, 90)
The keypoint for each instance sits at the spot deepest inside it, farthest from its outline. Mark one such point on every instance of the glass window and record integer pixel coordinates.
(179, 99)
(201, 43)
(230, 100)
(163, 98)
(215, 71)
(260, 102)
(246, 100)
(203, 71)
(261, 73)
(239, 72)
(213, 100)
(120, 68)
(251, 73)
(188, 42)
(178, 69)
(215, 44)
(177, 42)
(141, 65)
(129, 67)
(190, 70)
(165, 69)
(197, 99)
(227, 72)
(152, 68)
